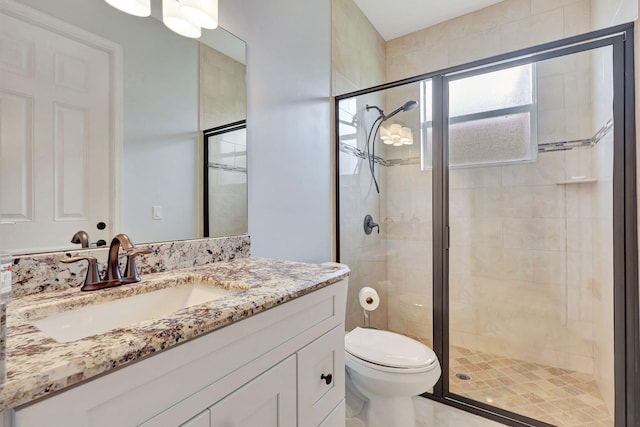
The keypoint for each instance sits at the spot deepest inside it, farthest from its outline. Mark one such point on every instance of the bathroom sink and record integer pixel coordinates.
(85, 321)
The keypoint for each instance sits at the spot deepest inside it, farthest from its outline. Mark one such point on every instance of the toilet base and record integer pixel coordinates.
(391, 411)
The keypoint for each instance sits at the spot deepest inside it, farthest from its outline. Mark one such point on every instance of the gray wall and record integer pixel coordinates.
(288, 124)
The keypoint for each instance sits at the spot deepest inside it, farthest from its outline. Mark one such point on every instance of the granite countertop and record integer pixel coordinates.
(38, 365)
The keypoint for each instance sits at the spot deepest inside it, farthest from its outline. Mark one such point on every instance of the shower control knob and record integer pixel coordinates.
(369, 225)
(327, 378)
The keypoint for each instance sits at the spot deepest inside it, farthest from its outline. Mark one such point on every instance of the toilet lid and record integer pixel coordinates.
(388, 348)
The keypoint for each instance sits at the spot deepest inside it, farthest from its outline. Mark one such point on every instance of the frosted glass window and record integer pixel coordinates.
(491, 91)
(492, 117)
(490, 140)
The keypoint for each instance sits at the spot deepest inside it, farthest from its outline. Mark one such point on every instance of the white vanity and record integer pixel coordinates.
(272, 355)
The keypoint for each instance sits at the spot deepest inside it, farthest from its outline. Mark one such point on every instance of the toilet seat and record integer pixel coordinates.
(351, 360)
(388, 351)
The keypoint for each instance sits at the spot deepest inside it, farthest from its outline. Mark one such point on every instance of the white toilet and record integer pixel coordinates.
(386, 370)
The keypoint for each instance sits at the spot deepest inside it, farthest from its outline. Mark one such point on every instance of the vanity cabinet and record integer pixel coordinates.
(281, 367)
(267, 401)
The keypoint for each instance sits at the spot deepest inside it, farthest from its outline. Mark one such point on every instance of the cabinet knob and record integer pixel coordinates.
(327, 378)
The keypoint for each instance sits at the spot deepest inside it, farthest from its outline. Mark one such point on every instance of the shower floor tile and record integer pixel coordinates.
(556, 396)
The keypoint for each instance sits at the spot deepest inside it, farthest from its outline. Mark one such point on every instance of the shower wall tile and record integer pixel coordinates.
(487, 202)
(548, 201)
(482, 45)
(548, 267)
(520, 201)
(540, 6)
(358, 51)
(490, 176)
(461, 204)
(531, 278)
(579, 164)
(550, 90)
(503, 27)
(577, 17)
(538, 28)
(522, 233)
(551, 125)
(517, 265)
(547, 170)
(577, 87)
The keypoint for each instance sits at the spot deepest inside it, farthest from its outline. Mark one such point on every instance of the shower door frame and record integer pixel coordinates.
(625, 258)
(624, 223)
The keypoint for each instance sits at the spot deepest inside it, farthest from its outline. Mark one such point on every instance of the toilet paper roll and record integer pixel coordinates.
(369, 299)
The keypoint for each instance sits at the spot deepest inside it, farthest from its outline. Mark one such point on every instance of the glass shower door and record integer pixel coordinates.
(530, 266)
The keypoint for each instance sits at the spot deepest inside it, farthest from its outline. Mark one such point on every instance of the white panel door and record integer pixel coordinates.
(55, 138)
(267, 401)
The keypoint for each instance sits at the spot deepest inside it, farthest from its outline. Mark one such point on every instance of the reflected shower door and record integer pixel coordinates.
(531, 248)
(225, 180)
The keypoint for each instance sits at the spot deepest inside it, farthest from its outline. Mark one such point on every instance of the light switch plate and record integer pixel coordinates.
(156, 212)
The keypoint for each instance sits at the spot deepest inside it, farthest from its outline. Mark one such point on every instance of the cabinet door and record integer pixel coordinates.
(267, 401)
(320, 377)
(336, 418)
(200, 420)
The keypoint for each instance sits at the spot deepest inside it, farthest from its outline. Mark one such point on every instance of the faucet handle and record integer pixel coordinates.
(131, 274)
(93, 275)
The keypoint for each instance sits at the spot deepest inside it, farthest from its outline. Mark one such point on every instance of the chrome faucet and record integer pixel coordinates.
(113, 276)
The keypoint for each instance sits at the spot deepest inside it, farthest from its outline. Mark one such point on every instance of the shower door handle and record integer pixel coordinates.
(447, 237)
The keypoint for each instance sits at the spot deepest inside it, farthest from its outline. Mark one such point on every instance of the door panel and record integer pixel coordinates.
(530, 211)
(55, 142)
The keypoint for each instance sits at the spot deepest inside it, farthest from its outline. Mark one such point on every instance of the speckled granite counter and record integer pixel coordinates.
(38, 365)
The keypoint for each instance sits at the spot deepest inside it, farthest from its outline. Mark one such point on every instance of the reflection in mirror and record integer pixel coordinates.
(225, 179)
(103, 114)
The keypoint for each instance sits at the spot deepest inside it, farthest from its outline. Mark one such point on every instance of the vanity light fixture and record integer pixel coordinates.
(132, 7)
(406, 136)
(185, 17)
(385, 135)
(396, 135)
(174, 20)
(200, 12)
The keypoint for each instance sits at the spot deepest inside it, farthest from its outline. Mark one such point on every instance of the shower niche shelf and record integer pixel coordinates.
(578, 181)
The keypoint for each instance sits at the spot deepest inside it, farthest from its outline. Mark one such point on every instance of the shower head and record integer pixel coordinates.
(409, 105)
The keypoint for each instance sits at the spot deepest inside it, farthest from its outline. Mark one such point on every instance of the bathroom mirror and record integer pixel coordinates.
(131, 162)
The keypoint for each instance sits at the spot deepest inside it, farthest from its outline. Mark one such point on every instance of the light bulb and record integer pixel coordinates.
(175, 21)
(395, 130)
(385, 136)
(407, 136)
(132, 7)
(203, 13)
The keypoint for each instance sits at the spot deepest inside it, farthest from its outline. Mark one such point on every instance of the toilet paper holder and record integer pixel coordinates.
(367, 318)
(369, 301)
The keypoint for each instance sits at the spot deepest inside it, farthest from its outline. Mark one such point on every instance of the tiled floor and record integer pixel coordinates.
(556, 396)
(434, 414)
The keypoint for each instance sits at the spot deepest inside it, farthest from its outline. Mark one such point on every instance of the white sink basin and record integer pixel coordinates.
(95, 319)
